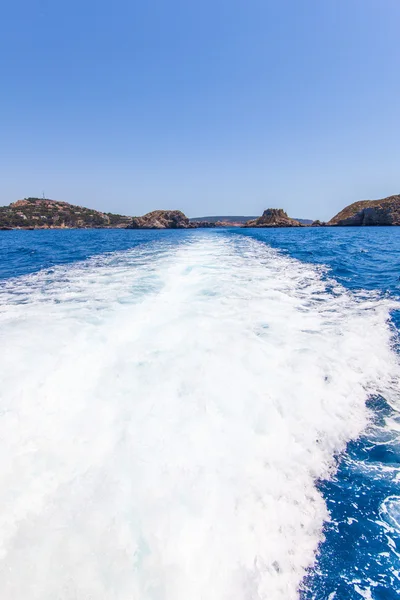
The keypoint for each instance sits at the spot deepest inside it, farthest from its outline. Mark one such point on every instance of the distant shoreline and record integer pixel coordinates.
(32, 214)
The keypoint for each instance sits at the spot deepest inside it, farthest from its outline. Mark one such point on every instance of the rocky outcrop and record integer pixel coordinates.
(273, 217)
(161, 219)
(318, 223)
(370, 212)
(167, 219)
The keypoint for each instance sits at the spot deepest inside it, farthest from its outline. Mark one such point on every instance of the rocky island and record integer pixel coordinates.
(273, 217)
(385, 211)
(167, 219)
(369, 212)
(161, 219)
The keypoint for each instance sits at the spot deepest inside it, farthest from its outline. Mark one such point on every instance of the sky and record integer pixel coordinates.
(208, 106)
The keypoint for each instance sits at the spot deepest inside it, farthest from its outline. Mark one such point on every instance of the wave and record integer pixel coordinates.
(166, 414)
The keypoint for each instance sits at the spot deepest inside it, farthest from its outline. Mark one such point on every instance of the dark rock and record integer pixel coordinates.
(273, 217)
(318, 223)
(369, 212)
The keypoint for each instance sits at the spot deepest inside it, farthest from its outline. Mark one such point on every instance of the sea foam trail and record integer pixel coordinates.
(165, 414)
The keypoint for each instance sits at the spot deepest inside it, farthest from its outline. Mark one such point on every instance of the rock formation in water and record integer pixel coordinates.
(273, 217)
(161, 219)
(370, 212)
(167, 219)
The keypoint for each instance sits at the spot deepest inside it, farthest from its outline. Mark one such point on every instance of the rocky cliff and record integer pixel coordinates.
(273, 217)
(370, 212)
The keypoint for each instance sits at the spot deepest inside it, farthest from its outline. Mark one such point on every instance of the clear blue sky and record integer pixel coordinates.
(209, 106)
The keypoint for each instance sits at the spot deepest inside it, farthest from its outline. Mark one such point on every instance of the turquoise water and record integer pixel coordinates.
(200, 414)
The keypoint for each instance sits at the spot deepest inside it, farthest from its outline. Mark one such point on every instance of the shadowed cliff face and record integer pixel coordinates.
(370, 212)
(273, 217)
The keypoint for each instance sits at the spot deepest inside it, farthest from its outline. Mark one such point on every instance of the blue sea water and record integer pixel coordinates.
(200, 414)
(360, 556)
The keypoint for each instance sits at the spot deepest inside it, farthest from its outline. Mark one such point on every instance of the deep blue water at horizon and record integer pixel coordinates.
(359, 556)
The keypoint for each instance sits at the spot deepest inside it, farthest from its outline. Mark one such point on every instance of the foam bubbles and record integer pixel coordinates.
(390, 512)
(166, 446)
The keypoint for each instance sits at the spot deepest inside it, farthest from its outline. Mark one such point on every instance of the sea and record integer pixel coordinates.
(200, 414)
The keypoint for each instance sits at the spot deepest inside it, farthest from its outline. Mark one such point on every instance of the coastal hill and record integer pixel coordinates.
(42, 213)
(273, 217)
(369, 212)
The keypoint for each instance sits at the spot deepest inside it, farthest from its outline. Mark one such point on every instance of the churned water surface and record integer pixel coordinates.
(200, 414)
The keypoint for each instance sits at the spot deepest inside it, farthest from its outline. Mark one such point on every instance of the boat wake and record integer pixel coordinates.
(166, 413)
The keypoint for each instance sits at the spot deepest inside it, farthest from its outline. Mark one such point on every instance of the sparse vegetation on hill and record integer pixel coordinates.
(41, 213)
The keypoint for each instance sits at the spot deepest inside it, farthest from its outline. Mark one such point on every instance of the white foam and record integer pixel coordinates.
(390, 512)
(166, 446)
